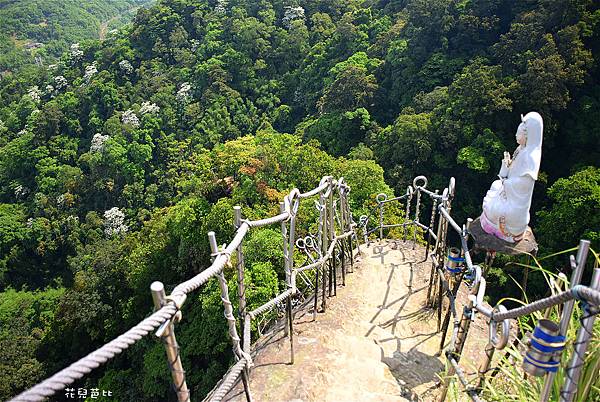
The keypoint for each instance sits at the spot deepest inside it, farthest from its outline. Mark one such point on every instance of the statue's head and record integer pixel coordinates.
(521, 135)
(529, 136)
(529, 132)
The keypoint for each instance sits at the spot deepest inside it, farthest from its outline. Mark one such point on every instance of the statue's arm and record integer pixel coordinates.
(503, 174)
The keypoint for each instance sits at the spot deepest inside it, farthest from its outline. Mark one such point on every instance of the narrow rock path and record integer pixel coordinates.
(376, 341)
(105, 24)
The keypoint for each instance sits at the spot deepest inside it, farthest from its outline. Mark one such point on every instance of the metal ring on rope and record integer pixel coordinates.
(416, 180)
(300, 243)
(304, 243)
(381, 198)
(499, 342)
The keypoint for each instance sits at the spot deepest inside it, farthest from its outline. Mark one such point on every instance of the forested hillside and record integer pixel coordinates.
(115, 162)
(46, 28)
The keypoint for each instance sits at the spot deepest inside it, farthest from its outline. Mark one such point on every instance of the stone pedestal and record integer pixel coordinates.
(490, 243)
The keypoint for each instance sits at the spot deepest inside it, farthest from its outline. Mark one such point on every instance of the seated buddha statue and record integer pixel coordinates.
(507, 202)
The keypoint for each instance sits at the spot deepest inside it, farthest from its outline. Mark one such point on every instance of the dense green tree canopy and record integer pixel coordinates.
(42, 30)
(116, 160)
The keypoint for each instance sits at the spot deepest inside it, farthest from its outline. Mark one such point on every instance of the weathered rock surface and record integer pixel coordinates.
(376, 341)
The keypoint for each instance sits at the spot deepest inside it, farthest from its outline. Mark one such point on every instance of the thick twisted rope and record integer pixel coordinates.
(269, 221)
(95, 359)
(228, 312)
(271, 303)
(317, 190)
(581, 292)
(229, 381)
(100, 356)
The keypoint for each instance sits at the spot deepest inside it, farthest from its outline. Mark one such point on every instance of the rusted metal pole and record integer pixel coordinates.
(584, 336)
(324, 246)
(171, 346)
(582, 253)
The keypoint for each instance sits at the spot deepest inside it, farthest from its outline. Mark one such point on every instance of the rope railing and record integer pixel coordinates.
(336, 230)
(98, 357)
(499, 326)
(328, 241)
(446, 280)
(330, 248)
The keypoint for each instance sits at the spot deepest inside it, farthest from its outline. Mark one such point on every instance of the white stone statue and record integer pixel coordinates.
(507, 202)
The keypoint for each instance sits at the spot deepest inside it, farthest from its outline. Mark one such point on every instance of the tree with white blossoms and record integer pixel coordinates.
(183, 95)
(60, 82)
(148, 107)
(292, 13)
(98, 141)
(221, 7)
(34, 93)
(126, 66)
(114, 220)
(90, 71)
(21, 191)
(75, 54)
(129, 117)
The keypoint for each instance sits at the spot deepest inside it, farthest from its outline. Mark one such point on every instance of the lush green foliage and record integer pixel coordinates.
(115, 162)
(25, 319)
(46, 28)
(508, 385)
(575, 210)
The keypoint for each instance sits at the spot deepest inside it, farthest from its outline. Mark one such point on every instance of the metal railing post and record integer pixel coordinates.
(381, 222)
(171, 346)
(582, 252)
(485, 366)
(286, 267)
(288, 252)
(228, 310)
(324, 246)
(332, 266)
(343, 228)
(438, 255)
(237, 221)
(417, 218)
(459, 343)
(584, 336)
(409, 193)
(452, 297)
